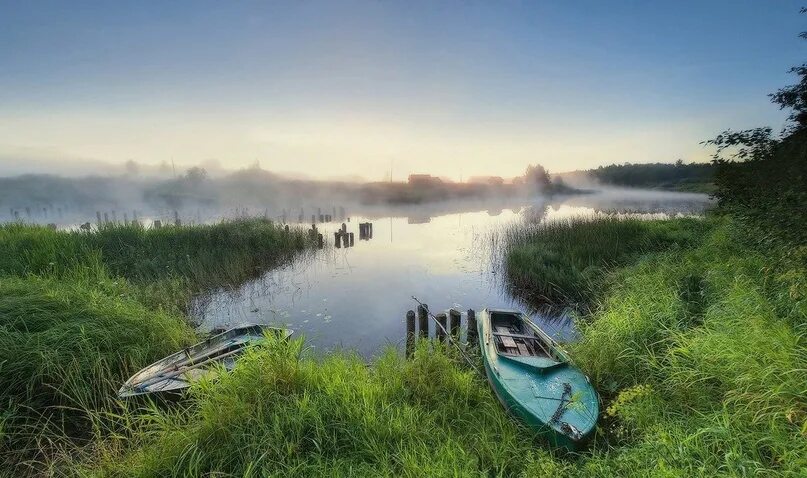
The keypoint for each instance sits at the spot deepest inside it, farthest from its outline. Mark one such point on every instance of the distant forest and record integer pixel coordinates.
(696, 177)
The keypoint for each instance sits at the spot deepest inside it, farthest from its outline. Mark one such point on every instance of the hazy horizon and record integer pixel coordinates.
(356, 89)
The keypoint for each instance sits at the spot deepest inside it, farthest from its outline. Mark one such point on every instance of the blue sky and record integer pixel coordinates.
(343, 88)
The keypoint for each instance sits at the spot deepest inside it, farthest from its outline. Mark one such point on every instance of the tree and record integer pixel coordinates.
(537, 178)
(196, 175)
(794, 97)
(132, 167)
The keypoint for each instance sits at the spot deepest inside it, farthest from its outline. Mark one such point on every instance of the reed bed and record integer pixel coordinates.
(565, 262)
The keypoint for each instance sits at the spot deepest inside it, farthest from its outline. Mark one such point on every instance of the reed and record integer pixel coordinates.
(567, 261)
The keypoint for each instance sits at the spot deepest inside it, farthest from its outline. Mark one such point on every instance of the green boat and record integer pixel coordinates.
(534, 379)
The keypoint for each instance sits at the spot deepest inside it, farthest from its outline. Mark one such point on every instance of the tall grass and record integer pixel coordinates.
(65, 346)
(80, 312)
(281, 413)
(566, 261)
(201, 257)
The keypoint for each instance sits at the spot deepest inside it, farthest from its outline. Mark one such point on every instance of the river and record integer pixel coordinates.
(357, 297)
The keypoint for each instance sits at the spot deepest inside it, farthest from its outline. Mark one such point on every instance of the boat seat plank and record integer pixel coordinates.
(523, 349)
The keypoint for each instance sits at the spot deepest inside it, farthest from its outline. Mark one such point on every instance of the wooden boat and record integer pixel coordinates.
(179, 370)
(534, 379)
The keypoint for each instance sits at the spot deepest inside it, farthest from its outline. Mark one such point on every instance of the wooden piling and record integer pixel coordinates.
(440, 330)
(319, 241)
(454, 323)
(351, 239)
(337, 240)
(410, 333)
(472, 331)
(423, 321)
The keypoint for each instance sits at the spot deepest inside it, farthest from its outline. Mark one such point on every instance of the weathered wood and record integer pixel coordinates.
(337, 240)
(351, 239)
(423, 320)
(454, 323)
(319, 241)
(410, 333)
(472, 332)
(440, 330)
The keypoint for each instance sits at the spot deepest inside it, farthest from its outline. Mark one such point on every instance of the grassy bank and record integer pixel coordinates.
(80, 312)
(696, 346)
(698, 352)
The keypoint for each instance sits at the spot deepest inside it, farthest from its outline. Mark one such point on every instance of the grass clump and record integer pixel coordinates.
(281, 413)
(196, 257)
(65, 347)
(81, 311)
(566, 261)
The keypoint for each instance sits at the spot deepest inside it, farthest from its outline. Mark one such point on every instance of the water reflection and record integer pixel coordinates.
(357, 297)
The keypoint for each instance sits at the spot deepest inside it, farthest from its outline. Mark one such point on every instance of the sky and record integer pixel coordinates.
(338, 89)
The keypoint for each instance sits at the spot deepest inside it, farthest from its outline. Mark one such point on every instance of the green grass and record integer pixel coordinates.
(566, 261)
(81, 311)
(697, 347)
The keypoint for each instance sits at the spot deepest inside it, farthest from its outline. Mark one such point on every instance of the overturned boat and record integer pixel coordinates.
(179, 370)
(534, 379)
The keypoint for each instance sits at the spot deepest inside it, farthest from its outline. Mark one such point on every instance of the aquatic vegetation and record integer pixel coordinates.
(566, 261)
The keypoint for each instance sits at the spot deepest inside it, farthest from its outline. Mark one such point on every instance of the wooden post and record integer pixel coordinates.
(157, 224)
(410, 333)
(439, 331)
(423, 321)
(336, 240)
(177, 222)
(351, 239)
(344, 227)
(454, 323)
(472, 332)
(319, 241)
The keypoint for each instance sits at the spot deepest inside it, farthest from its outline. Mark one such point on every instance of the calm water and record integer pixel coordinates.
(357, 297)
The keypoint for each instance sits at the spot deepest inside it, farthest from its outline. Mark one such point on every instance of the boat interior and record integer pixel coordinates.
(513, 336)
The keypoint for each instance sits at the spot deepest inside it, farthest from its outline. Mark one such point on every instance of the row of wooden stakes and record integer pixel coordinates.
(449, 321)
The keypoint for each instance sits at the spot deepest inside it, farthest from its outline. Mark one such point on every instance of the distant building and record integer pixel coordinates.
(490, 180)
(424, 180)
